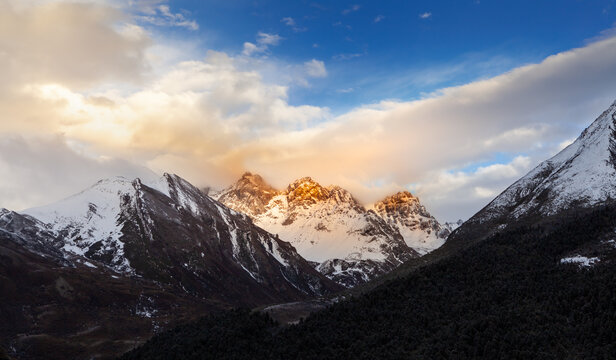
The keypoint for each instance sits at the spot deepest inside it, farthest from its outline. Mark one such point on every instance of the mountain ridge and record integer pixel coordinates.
(581, 175)
(122, 223)
(137, 249)
(351, 243)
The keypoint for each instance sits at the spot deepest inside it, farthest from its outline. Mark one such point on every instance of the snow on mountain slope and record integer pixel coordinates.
(420, 230)
(583, 174)
(30, 234)
(451, 226)
(167, 230)
(327, 225)
(89, 217)
(249, 195)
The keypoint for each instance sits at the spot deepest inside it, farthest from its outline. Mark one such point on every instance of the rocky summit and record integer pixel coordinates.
(348, 242)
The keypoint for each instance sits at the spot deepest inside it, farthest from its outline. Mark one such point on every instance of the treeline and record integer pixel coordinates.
(506, 298)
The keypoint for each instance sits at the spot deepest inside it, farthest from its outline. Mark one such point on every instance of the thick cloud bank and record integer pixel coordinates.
(92, 102)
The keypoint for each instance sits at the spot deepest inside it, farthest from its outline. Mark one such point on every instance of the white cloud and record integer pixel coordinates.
(289, 21)
(212, 118)
(268, 39)
(345, 91)
(190, 121)
(161, 15)
(379, 18)
(351, 9)
(529, 110)
(315, 68)
(458, 190)
(89, 43)
(425, 15)
(264, 41)
(40, 170)
(250, 48)
(347, 56)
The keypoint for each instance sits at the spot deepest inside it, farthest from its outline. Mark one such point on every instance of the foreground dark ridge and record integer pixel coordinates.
(507, 297)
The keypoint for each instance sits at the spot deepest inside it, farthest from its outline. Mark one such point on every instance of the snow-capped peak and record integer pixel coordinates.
(166, 229)
(249, 195)
(328, 225)
(402, 202)
(420, 230)
(90, 216)
(582, 174)
(306, 191)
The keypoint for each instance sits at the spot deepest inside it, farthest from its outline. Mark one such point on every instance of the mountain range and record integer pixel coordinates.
(349, 243)
(143, 248)
(155, 241)
(529, 276)
(96, 274)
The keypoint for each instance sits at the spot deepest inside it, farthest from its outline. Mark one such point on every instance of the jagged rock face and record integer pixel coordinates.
(173, 233)
(324, 223)
(580, 176)
(420, 230)
(306, 192)
(249, 195)
(328, 226)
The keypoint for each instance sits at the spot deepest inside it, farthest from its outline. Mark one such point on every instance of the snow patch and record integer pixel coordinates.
(582, 261)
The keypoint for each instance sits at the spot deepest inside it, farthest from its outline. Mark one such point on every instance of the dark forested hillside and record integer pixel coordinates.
(508, 297)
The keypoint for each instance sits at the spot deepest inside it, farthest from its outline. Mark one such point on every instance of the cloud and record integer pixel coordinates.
(74, 43)
(315, 68)
(290, 22)
(161, 15)
(340, 24)
(457, 190)
(529, 110)
(379, 18)
(351, 9)
(190, 120)
(345, 91)
(346, 56)
(425, 15)
(53, 165)
(65, 97)
(268, 39)
(264, 41)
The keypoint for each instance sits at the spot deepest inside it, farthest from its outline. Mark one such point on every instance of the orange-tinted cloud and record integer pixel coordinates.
(209, 119)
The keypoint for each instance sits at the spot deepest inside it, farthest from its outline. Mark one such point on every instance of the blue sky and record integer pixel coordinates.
(377, 50)
(454, 100)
